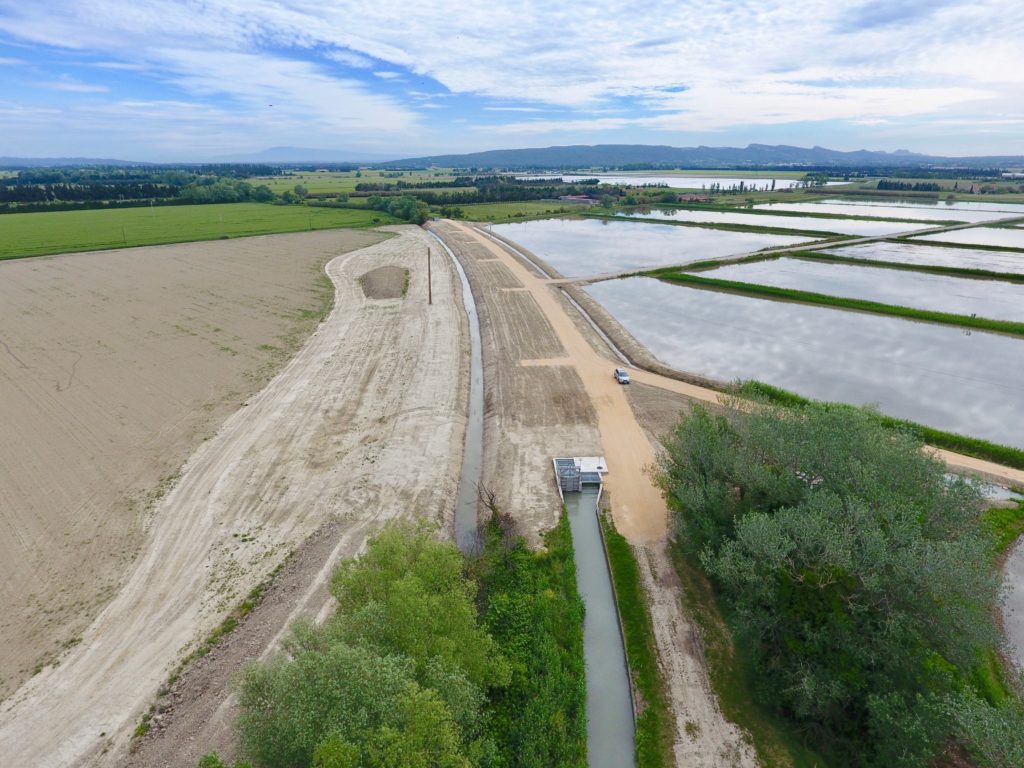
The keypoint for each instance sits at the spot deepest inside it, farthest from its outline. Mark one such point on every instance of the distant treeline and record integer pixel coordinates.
(99, 187)
(906, 186)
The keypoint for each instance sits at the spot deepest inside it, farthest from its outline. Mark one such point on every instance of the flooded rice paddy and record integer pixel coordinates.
(1010, 209)
(936, 255)
(811, 223)
(578, 247)
(938, 293)
(945, 377)
(935, 213)
(1002, 237)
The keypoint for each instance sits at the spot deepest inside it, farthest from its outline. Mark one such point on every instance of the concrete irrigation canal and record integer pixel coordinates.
(610, 724)
(610, 716)
(472, 458)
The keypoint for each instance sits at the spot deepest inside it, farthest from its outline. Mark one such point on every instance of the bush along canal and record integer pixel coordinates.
(610, 717)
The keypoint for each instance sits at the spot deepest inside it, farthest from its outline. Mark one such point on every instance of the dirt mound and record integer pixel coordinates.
(385, 283)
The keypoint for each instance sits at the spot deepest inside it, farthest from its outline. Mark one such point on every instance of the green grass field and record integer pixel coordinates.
(345, 181)
(521, 210)
(35, 234)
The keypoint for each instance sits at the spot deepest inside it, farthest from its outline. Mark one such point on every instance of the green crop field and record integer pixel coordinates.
(34, 234)
(345, 181)
(519, 210)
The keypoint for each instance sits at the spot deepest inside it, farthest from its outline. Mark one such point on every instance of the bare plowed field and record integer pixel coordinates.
(114, 366)
(362, 425)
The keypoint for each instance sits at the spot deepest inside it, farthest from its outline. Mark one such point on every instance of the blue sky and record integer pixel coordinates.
(201, 79)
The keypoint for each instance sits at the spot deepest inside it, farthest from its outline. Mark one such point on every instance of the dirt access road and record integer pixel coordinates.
(364, 424)
(549, 383)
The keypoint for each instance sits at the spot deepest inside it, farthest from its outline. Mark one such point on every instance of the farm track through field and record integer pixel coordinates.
(363, 425)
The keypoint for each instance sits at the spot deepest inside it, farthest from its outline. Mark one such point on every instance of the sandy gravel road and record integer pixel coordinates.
(364, 424)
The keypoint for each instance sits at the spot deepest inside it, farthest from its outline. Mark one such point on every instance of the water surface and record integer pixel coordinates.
(939, 293)
(914, 253)
(909, 213)
(1010, 209)
(839, 226)
(577, 247)
(610, 736)
(1003, 237)
(945, 377)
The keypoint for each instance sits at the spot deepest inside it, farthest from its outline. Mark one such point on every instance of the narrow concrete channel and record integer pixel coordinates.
(466, 534)
(610, 726)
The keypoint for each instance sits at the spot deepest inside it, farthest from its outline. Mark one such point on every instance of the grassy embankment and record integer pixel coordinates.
(841, 302)
(968, 446)
(976, 274)
(653, 723)
(965, 246)
(36, 234)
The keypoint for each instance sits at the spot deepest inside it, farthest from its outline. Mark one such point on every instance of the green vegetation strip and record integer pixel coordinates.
(979, 274)
(968, 446)
(653, 722)
(841, 302)
(1007, 525)
(534, 612)
(809, 233)
(914, 238)
(36, 234)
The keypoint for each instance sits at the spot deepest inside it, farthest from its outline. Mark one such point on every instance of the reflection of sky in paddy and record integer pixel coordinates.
(912, 253)
(967, 382)
(1005, 237)
(593, 246)
(810, 223)
(934, 213)
(1010, 209)
(961, 296)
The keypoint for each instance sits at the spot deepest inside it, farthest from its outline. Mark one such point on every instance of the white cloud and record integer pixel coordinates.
(647, 65)
(385, 75)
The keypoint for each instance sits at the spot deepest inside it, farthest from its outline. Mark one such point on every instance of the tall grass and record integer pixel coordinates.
(653, 722)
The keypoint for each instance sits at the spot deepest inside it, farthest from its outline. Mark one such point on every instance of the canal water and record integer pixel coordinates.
(610, 728)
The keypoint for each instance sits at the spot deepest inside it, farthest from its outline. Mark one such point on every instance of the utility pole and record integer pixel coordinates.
(430, 287)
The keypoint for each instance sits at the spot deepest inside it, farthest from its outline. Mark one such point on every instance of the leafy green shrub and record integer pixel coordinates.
(859, 579)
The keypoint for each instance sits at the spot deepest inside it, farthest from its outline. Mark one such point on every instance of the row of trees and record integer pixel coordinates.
(406, 207)
(906, 186)
(857, 577)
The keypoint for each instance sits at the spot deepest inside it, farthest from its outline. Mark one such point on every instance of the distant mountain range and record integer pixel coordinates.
(305, 155)
(53, 162)
(585, 156)
(753, 155)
